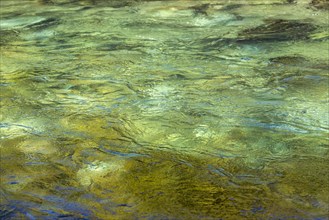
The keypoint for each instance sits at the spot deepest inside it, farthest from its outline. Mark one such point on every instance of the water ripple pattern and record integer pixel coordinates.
(143, 109)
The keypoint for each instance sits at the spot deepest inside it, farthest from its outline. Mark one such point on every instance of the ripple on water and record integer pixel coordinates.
(169, 110)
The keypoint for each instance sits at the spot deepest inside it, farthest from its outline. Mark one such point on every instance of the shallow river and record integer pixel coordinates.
(164, 109)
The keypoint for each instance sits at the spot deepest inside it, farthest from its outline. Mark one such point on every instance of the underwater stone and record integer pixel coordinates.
(7, 36)
(113, 3)
(231, 7)
(177, 77)
(45, 2)
(200, 9)
(320, 4)
(298, 61)
(118, 46)
(44, 23)
(277, 30)
(287, 60)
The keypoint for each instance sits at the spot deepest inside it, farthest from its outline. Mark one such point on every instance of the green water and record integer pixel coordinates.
(164, 109)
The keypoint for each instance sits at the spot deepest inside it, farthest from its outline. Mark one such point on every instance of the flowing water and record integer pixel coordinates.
(164, 109)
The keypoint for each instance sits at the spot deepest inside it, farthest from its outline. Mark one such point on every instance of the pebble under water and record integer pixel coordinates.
(138, 109)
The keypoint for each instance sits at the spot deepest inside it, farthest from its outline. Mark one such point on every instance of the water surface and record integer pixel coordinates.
(164, 109)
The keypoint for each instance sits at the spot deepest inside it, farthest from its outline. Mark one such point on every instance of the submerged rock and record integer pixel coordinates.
(7, 36)
(115, 46)
(272, 31)
(114, 3)
(277, 30)
(320, 4)
(232, 7)
(298, 61)
(200, 9)
(45, 2)
(44, 23)
(108, 3)
(287, 60)
(177, 77)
